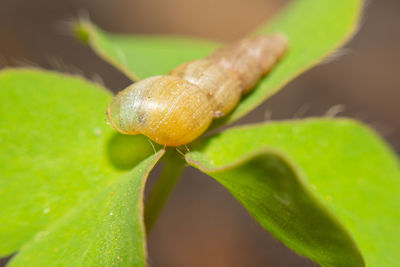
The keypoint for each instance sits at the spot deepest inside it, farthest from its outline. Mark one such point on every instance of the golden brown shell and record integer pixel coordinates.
(221, 86)
(175, 109)
(251, 58)
(167, 109)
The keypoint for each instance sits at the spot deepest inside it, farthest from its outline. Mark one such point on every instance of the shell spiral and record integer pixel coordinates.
(175, 109)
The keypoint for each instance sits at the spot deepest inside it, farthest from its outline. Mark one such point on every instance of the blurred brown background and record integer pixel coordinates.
(202, 225)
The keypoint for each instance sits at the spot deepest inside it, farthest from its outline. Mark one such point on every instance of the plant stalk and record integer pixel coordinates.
(173, 166)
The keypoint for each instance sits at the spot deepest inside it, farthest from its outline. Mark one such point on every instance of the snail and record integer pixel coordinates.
(176, 108)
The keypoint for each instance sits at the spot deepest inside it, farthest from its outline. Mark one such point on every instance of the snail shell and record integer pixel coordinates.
(175, 109)
(221, 86)
(251, 58)
(167, 109)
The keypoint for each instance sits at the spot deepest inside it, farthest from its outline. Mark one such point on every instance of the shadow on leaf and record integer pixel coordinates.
(126, 151)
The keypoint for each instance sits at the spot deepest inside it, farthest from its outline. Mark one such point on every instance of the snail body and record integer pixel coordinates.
(175, 109)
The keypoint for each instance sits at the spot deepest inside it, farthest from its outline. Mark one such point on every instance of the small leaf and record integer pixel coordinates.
(286, 173)
(54, 150)
(314, 29)
(106, 231)
(142, 56)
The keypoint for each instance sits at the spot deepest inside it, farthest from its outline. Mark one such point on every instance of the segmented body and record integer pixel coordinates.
(175, 109)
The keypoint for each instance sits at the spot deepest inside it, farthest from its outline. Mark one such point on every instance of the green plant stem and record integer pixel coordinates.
(173, 166)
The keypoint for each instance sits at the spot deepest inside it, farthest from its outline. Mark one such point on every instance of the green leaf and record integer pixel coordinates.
(54, 150)
(315, 185)
(314, 28)
(106, 231)
(142, 56)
